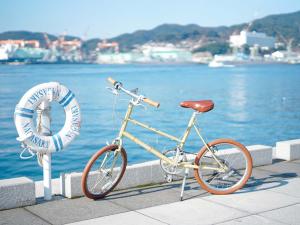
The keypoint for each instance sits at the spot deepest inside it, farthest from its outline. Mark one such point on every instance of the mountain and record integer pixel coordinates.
(170, 33)
(282, 26)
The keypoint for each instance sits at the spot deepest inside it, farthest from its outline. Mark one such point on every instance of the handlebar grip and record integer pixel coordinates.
(151, 102)
(110, 80)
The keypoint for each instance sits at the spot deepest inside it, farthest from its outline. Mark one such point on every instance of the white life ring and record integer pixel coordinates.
(28, 104)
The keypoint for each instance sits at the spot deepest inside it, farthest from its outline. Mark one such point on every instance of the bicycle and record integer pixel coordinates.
(222, 166)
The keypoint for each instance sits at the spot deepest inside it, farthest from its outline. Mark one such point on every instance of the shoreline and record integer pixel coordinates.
(137, 175)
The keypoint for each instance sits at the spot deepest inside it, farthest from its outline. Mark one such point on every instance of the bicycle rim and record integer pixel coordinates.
(104, 171)
(227, 154)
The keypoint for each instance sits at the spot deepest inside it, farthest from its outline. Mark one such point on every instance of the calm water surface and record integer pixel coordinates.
(253, 104)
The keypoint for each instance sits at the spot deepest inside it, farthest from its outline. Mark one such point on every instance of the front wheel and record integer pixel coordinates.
(103, 172)
(223, 168)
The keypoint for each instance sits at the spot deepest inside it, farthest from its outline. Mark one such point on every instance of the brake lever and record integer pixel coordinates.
(113, 90)
(142, 105)
(137, 102)
(135, 91)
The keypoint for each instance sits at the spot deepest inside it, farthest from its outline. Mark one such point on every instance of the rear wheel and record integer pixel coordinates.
(103, 172)
(225, 168)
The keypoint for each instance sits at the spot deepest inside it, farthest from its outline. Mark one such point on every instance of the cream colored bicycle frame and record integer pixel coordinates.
(181, 142)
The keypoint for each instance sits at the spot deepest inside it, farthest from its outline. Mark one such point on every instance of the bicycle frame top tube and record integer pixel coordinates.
(128, 118)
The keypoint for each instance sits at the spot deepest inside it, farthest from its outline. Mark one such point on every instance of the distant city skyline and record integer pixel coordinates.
(109, 18)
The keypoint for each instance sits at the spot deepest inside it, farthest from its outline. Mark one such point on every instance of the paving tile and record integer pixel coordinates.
(286, 168)
(260, 180)
(192, 190)
(194, 211)
(295, 161)
(291, 189)
(128, 218)
(265, 180)
(251, 220)
(287, 215)
(20, 216)
(72, 210)
(254, 202)
(145, 197)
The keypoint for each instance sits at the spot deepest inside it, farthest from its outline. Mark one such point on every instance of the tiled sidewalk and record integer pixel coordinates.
(271, 197)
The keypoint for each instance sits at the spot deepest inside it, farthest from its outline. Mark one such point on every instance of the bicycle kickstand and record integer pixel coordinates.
(186, 173)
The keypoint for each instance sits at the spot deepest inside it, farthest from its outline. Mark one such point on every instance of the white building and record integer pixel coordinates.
(3, 53)
(114, 58)
(160, 52)
(286, 56)
(252, 38)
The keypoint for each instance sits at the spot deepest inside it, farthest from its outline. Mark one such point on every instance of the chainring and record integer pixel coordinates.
(171, 169)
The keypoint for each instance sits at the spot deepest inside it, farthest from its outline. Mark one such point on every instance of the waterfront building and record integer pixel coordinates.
(29, 54)
(252, 39)
(3, 53)
(159, 52)
(114, 58)
(20, 50)
(202, 57)
(286, 57)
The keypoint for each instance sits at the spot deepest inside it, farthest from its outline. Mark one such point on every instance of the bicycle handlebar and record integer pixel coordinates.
(151, 102)
(110, 80)
(118, 85)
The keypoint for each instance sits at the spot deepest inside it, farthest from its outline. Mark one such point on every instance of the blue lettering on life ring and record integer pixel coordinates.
(24, 115)
(23, 112)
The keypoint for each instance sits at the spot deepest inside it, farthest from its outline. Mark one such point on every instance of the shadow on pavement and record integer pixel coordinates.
(269, 182)
(142, 191)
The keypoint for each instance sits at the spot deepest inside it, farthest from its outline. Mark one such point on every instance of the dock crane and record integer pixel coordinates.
(47, 41)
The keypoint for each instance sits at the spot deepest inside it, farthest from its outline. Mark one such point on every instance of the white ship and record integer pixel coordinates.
(3, 53)
(216, 64)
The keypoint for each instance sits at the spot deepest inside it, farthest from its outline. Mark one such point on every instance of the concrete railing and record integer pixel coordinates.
(16, 192)
(151, 172)
(23, 191)
(288, 150)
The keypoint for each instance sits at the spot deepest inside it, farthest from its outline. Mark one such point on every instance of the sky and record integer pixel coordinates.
(109, 18)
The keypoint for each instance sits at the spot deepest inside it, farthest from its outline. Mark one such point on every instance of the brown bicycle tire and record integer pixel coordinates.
(89, 165)
(235, 188)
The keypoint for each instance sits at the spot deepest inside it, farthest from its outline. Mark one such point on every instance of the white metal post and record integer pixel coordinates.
(47, 176)
(44, 128)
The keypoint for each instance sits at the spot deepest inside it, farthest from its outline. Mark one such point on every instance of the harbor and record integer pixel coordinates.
(246, 46)
(161, 112)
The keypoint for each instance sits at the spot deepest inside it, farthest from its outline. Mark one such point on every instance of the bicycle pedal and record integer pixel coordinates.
(169, 178)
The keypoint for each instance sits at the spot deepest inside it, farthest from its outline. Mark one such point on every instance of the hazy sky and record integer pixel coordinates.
(108, 18)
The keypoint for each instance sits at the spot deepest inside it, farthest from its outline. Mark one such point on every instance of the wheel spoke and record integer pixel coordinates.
(105, 171)
(233, 160)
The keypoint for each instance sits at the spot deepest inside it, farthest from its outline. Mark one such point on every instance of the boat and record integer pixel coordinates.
(216, 64)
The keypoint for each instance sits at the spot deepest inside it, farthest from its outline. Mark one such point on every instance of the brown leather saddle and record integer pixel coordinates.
(200, 106)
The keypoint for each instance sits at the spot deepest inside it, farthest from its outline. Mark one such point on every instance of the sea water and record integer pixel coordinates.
(254, 104)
